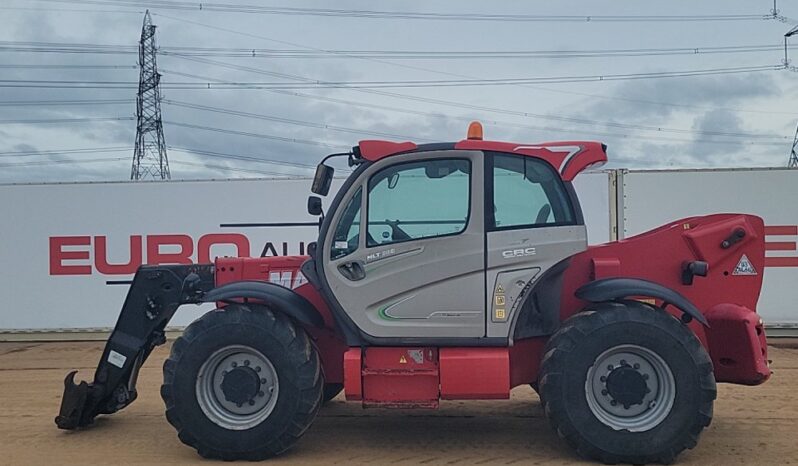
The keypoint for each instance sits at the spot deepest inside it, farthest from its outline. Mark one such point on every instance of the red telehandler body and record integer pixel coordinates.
(452, 271)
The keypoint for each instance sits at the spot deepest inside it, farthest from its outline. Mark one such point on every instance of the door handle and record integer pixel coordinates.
(353, 270)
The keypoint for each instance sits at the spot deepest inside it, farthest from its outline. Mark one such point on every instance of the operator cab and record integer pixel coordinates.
(447, 240)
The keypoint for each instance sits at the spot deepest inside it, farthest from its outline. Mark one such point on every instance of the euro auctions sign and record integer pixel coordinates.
(87, 255)
(781, 246)
(74, 246)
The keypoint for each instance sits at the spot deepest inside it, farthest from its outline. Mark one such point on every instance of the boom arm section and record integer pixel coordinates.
(155, 294)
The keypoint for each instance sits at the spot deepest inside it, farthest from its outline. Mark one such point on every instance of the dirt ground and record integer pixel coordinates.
(753, 425)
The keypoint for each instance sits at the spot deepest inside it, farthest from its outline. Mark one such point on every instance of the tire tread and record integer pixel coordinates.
(567, 339)
(298, 346)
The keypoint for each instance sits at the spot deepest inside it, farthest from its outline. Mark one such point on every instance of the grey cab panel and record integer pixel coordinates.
(532, 225)
(451, 243)
(413, 265)
(512, 279)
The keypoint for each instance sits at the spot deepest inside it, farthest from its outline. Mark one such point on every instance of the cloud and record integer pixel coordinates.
(711, 122)
(711, 91)
(631, 147)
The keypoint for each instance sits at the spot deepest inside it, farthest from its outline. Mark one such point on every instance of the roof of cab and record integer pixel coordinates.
(567, 157)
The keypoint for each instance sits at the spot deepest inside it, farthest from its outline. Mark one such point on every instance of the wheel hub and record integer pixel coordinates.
(626, 386)
(240, 385)
(630, 387)
(237, 387)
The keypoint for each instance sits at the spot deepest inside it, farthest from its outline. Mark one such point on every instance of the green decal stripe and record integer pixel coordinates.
(383, 315)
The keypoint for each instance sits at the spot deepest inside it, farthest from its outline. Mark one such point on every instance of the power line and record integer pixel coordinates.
(257, 135)
(66, 48)
(68, 67)
(375, 14)
(35, 103)
(667, 104)
(26, 153)
(186, 52)
(63, 120)
(459, 55)
(220, 155)
(390, 135)
(429, 83)
(238, 52)
(62, 84)
(290, 121)
(301, 78)
(76, 10)
(61, 162)
(243, 158)
(559, 91)
(581, 121)
(232, 169)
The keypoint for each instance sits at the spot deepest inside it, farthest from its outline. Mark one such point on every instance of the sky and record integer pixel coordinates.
(646, 123)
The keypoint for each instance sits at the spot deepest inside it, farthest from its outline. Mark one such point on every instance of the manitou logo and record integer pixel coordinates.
(83, 255)
(288, 278)
(781, 246)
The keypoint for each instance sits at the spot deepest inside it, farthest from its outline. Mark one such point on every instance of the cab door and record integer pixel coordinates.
(533, 224)
(405, 255)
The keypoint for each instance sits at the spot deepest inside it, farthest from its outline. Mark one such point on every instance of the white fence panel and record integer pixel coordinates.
(651, 198)
(64, 244)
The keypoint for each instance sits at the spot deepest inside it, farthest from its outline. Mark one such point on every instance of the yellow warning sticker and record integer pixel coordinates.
(499, 289)
(402, 359)
(500, 313)
(500, 300)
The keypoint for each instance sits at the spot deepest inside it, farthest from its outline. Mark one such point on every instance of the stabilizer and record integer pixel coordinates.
(155, 294)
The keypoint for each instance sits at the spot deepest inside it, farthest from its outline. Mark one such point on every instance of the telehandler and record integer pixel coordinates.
(451, 271)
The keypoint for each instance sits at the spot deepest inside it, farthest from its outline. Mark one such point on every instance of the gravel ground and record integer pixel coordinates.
(753, 425)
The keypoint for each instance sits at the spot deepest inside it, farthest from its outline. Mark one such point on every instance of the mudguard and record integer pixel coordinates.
(609, 289)
(277, 297)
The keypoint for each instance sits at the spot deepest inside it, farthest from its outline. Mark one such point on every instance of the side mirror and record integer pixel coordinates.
(314, 206)
(322, 179)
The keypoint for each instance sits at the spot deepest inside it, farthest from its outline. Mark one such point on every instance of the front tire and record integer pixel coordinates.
(627, 382)
(242, 383)
(331, 390)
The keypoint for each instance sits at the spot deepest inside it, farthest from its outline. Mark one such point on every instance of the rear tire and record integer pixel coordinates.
(242, 383)
(627, 382)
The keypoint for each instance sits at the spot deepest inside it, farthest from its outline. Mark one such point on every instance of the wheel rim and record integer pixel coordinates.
(237, 387)
(631, 388)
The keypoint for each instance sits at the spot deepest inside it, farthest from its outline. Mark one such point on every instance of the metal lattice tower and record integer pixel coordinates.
(793, 160)
(149, 156)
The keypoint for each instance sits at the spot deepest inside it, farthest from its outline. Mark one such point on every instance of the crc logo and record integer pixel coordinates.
(83, 255)
(521, 252)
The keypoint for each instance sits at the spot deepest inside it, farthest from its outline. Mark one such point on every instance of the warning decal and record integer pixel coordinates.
(744, 267)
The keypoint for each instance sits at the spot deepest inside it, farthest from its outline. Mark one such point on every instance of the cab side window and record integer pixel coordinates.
(525, 192)
(417, 200)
